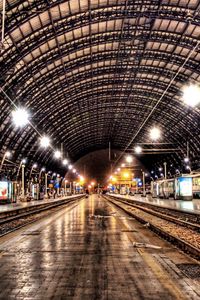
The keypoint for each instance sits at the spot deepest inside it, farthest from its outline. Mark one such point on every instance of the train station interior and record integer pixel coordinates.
(100, 149)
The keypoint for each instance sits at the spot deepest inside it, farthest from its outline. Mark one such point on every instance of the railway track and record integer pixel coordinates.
(185, 235)
(28, 215)
(189, 217)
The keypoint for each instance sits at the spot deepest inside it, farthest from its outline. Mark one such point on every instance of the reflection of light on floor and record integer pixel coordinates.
(82, 212)
(113, 222)
(92, 204)
(187, 205)
(179, 204)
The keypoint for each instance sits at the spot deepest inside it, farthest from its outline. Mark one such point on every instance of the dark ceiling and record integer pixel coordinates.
(92, 71)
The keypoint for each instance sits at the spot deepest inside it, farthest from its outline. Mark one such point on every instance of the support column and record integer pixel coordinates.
(144, 191)
(46, 177)
(23, 194)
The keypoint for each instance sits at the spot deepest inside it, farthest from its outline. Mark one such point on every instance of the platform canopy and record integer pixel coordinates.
(92, 72)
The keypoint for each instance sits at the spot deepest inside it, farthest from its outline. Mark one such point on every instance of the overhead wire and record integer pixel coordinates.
(158, 102)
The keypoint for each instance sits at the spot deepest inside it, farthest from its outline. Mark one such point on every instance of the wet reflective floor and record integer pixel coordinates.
(92, 250)
(182, 205)
(19, 204)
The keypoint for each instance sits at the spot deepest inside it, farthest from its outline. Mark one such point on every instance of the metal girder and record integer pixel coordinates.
(98, 69)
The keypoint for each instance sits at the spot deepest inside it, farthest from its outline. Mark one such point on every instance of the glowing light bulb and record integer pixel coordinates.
(191, 95)
(20, 117)
(44, 141)
(155, 133)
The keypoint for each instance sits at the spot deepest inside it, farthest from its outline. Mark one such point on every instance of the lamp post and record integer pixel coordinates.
(65, 186)
(165, 175)
(46, 178)
(6, 155)
(42, 170)
(34, 166)
(23, 167)
(165, 170)
(74, 187)
(143, 179)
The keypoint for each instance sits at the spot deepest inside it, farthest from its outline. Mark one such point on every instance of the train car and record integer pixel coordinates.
(180, 188)
(163, 188)
(167, 188)
(183, 188)
(196, 185)
(155, 189)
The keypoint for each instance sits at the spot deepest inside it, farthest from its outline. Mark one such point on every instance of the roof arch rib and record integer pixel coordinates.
(90, 72)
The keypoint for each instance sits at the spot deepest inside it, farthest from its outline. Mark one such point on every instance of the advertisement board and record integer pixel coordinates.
(4, 190)
(185, 186)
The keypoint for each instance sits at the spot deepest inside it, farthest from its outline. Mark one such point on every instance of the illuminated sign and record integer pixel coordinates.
(3, 190)
(185, 186)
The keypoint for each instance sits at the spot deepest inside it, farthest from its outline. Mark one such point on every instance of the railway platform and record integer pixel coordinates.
(192, 206)
(93, 250)
(12, 208)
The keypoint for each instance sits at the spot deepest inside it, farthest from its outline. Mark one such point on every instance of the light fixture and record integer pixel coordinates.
(146, 174)
(20, 117)
(82, 178)
(186, 159)
(43, 169)
(126, 175)
(138, 149)
(191, 95)
(34, 166)
(129, 159)
(118, 169)
(114, 179)
(122, 165)
(54, 174)
(23, 160)
(188, 168)
(70, 167)
(160, 169)
(44, 141)
(65, 162)
(152, 172)
(57, 154)
(74, 170)
(8, 154)
(155, 133)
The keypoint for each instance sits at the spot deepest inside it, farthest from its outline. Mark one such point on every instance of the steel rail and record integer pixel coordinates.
(58, 204)
(181, 244)
(169, 214)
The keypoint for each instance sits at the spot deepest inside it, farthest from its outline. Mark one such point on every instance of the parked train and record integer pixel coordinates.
(185, 187)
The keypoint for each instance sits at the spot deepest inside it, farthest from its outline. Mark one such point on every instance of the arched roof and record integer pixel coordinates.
(91, 71)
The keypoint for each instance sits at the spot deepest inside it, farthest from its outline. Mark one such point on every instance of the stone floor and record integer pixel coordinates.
(86, 252)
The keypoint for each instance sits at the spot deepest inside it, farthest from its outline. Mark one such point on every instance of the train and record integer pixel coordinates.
(184, 187)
